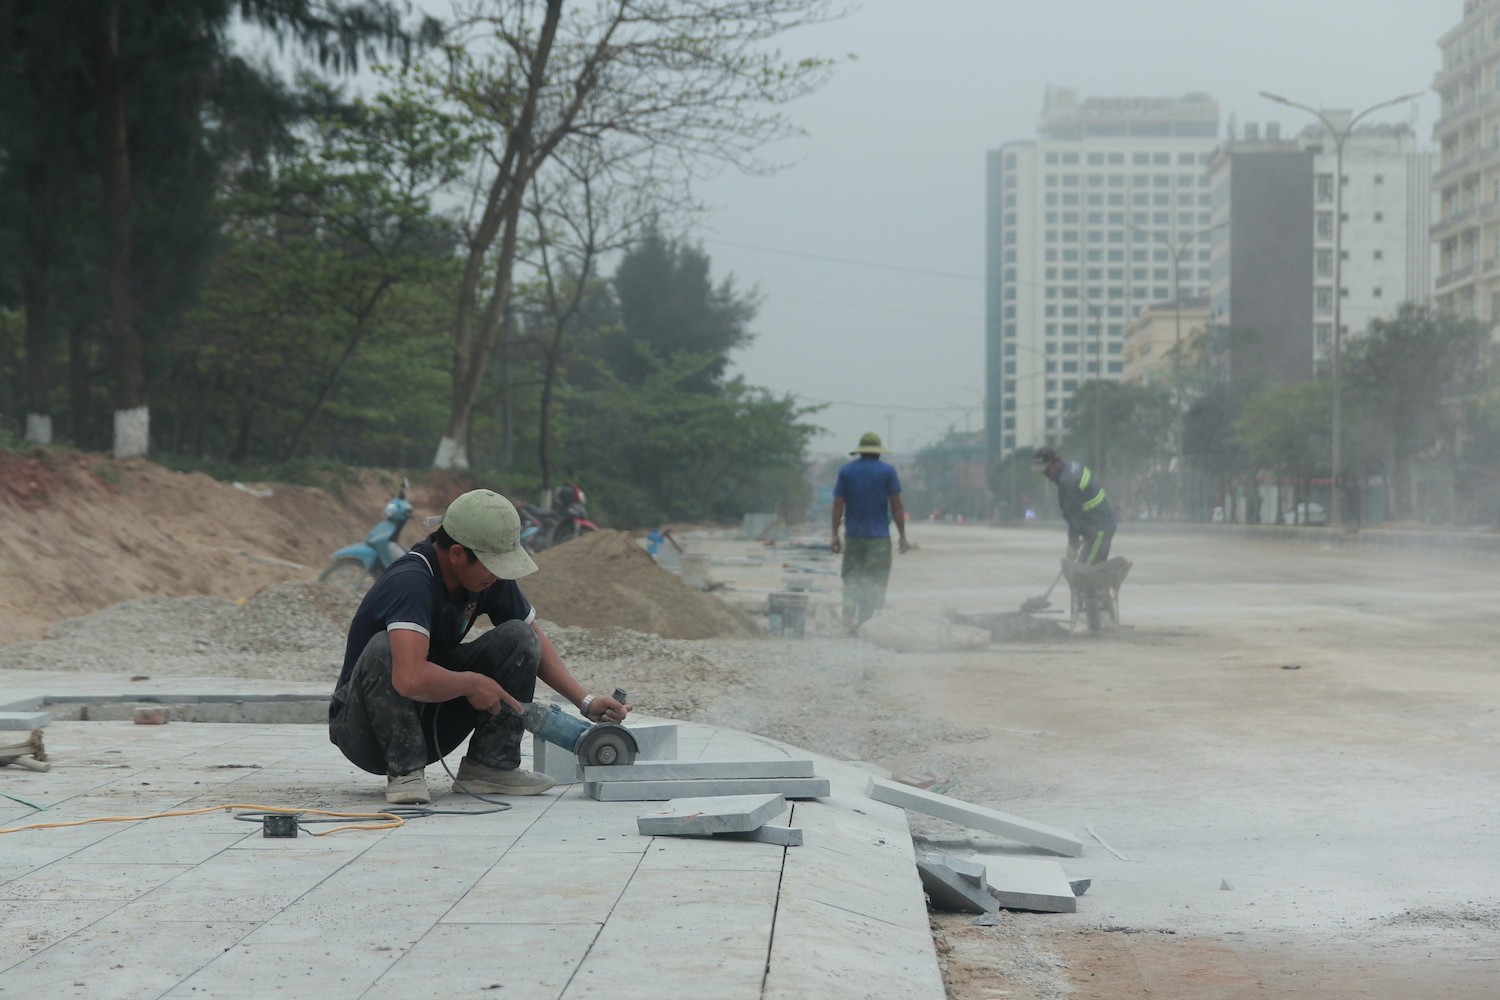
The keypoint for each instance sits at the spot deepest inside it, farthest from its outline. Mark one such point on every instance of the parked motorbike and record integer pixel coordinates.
(570, 514)
(542, 528)
(355, 567)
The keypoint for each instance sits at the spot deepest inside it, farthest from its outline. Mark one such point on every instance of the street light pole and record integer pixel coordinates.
(1339, 135)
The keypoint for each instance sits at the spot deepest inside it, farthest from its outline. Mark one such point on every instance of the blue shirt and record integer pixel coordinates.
(410, 595)
(866, 486)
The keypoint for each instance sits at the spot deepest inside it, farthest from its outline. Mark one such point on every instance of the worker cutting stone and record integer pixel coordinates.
(411, 690)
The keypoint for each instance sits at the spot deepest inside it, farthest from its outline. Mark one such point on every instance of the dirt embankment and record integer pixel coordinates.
(84, 532)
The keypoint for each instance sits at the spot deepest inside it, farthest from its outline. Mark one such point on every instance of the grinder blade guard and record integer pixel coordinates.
(593, 743)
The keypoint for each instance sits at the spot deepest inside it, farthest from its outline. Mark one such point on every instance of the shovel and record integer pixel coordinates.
(1034, 604)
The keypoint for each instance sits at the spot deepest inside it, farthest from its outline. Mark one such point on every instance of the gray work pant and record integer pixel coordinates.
(382, 732)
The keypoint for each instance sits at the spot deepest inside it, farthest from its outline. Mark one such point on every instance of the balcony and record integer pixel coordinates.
(1459, 165)
(1452, 223)
(1463, 109)
(1455, 276)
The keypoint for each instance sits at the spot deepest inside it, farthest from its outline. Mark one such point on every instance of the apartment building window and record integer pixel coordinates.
(1162, 159)
(1051, 159)
(1161, 200)
(1184, 159)
(1117, 158)
(1140, 159)
(1071, 198)
(1323, 333)
(1325, 188)
(1051, 199)
(1095, 198)
(1070, 159)
(1325, 225)
(1323, 300)
(1324, 260)
(1052, 180)
(1095, 159)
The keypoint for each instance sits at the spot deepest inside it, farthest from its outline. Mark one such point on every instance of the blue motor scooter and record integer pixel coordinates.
(355, 567)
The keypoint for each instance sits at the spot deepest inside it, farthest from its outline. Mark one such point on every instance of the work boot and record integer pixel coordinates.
(479, 779)
(407, 789)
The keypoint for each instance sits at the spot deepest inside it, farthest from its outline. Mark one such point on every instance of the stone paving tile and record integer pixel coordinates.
(514, 961)
(112, 959)
(710, 853)
(547, 886)
(705, 930)
(35, 924)
(558, 896)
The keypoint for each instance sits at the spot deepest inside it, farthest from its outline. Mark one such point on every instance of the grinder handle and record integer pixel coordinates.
(619, 695)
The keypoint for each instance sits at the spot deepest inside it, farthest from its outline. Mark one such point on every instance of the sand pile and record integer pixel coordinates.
(606, 580)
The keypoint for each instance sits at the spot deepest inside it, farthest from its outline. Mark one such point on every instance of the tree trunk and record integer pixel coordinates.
(36, 294)
(132, 417)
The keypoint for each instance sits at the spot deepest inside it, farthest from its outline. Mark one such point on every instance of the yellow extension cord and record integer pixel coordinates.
(394, 820)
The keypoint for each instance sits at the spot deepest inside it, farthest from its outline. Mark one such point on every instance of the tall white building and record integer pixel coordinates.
(1467, 231)
(1086, 224)
(1273, 250)
(1388, 209)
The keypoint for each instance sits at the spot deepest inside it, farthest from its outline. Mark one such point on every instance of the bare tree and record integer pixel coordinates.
(674, 85)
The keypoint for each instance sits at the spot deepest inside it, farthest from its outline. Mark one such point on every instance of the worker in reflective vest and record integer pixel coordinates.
(1091, 520)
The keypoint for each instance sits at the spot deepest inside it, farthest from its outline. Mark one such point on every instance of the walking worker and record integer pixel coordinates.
(867, 497)
(1091, 520)
(411, 690)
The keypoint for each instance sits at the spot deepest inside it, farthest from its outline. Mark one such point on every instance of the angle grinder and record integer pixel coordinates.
(598, 743)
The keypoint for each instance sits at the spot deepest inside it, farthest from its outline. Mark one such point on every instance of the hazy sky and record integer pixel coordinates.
(891, 171)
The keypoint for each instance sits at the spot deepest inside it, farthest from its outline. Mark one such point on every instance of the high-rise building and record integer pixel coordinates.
(1273, 246)
(1085, 224)
(1467, 230)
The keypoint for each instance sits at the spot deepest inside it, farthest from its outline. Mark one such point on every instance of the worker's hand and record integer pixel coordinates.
(836, 546)
(605, 709)
(489, 696)
(904, 545)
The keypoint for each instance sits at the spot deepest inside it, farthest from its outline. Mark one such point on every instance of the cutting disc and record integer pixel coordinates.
(607, 744)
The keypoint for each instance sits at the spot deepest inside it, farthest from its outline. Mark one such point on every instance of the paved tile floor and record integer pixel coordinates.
(557, 897)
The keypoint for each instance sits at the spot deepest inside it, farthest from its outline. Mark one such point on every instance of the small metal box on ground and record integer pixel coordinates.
(788, 614)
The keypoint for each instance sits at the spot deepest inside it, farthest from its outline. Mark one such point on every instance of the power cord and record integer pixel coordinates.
(385, 819)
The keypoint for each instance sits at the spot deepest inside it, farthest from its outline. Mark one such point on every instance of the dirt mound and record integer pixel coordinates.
(606, 580)
(82, 532)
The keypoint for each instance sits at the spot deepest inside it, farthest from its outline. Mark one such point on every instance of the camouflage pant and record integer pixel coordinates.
(382, 732)
(866, 571)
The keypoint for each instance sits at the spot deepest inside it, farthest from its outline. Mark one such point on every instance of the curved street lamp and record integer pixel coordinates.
(1339, 135)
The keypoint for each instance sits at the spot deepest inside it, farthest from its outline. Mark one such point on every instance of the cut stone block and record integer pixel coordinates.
(24, 720)
(781, 836)
(1029, 884)
(1049, 838)
(963, 867)
(648, 791)
(674, 770)
(712, 814)
(655, 740)
(150, 715)
(555, 762)
(951, 891)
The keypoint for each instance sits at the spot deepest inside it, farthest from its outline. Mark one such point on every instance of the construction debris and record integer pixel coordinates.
(1048, 838)
(28, 753)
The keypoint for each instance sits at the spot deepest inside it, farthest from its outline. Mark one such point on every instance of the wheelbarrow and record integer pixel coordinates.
(1095, 589)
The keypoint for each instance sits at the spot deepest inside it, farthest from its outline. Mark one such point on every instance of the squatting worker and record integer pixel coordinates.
(406, 662)
(1091, 520)
(867, 497)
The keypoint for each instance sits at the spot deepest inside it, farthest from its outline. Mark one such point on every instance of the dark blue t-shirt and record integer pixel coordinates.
(411, 595)
(866, 486)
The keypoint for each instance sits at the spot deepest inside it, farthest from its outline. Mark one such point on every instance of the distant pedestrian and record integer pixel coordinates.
(866, 498)
(1091, 520)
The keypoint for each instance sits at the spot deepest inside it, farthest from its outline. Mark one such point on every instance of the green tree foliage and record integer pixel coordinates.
(1286, 428)
(668, 306)
(314, 252)
(1413, 373)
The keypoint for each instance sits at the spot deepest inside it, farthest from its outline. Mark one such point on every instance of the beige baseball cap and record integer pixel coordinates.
(486, 523)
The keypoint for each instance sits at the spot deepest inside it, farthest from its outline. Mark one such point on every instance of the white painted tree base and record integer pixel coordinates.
(451, 455)
(38, 429)
(132, 432)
